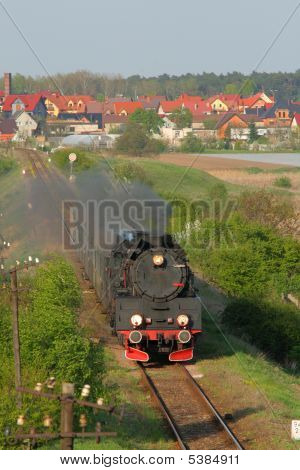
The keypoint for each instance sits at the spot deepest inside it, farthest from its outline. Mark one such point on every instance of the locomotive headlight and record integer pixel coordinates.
(136, 319)
(158, 260)
(182, 320)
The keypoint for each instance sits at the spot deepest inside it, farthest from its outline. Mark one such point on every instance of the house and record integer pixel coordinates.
(222, 103)
(2, 97)
(281, 114)
(33, 104)
(57, 103)
(174, 135)
(195, 104)
(151, 102)
(168, 107)
(60, 127)
(112, 123)
(26, 125)
(295, 124)
(126, 108)
(94, 118)
(230, 121)
(8, 129)
(198, 107)
(204, 121)
(97, 107)
(259, 100)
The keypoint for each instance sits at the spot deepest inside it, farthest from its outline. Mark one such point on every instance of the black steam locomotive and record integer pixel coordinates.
(146, 287)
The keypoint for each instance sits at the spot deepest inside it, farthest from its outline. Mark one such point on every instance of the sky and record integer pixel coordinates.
(148, 37)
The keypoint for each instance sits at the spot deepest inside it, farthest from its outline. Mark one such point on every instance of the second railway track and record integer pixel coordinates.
(193, 419)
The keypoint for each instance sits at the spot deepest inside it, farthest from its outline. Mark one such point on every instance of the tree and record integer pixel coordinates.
(182, 118)
(100, 97)
(192, 144)
(133, 141)
(231, 89)
(136, 141)
(253, 136)
(149, 119)
(248, 87)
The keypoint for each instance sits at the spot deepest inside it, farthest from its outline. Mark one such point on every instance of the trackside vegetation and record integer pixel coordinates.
(250, 255)
(85, 160)
(256, 267)
(52, 344)
(6, 164)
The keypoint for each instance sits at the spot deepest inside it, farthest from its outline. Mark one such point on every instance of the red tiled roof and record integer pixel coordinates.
(198, 107)
(184, 97)
(114, 119)
(62, 101)
(227, 117)
(200, 117)
(30, 101)
(128, 106)
(229, 99)
(251, 100)
(297, 118)
(170, 106)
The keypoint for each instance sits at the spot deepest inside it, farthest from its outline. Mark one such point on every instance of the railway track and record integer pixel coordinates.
(193, 419)
(57, 189)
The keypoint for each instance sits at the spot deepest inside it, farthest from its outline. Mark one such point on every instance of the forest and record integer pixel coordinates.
(283, 84)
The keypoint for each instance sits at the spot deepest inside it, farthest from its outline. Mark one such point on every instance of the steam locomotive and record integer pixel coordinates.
(146, 287)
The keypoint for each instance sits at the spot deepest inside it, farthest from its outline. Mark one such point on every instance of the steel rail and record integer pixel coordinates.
(162, 406)
(198, 389)
(201, 395)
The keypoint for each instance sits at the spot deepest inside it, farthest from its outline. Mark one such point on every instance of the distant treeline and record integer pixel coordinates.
(284, 85)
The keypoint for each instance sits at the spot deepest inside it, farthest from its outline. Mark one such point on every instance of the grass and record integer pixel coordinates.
(170, 181)
(263, 390)
(257, 177)
(142, 426)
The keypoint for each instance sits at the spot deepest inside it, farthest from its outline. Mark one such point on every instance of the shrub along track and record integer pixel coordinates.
(190, 414)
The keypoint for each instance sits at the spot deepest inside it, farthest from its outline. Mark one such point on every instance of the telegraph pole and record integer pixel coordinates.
(67, 401)
(16, 337)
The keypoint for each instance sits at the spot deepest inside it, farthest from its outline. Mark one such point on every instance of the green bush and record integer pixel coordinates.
(246, 259)
(6, 164)
(263, 140)
(283, 182)
(136, 141)
(273, 327)
(265, 208)
(218, 191)
(52, 343)
(191, 144)
(253, 170)
(130, 171)
(85, 160)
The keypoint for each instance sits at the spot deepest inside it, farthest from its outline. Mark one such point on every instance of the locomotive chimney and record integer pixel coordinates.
(7, 84)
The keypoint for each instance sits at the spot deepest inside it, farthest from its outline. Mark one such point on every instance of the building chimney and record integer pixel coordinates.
(7, 84)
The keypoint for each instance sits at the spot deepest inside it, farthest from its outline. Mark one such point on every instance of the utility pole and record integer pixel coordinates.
(16, 337)
(66, 421)
(66, 434)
